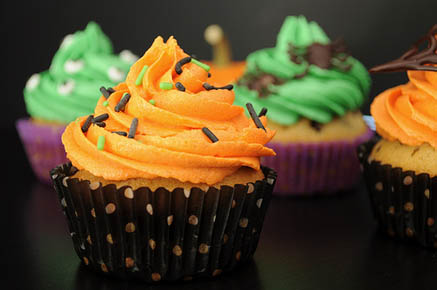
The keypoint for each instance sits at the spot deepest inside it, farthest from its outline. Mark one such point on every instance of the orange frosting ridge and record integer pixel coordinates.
(407, 113)
(169, 141)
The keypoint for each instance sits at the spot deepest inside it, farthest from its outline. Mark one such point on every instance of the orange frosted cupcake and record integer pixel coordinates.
(401, 168)
(165, 181)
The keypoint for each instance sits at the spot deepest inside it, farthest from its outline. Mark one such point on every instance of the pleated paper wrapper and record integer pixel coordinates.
(163, 235)
(43, 146)
(324, 168)
(403, 202)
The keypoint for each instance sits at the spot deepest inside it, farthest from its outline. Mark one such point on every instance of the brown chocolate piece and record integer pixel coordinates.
(414, 58)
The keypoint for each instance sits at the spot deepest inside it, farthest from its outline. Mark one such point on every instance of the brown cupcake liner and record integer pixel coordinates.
(163, 235)
(403, 202)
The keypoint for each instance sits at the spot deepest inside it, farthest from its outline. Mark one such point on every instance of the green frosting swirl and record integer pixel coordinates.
(319, 95)
(70, 88)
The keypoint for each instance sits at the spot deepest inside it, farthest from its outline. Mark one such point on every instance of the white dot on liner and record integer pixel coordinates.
(244, 222)
(270, 181)
(187, 193)
(170, 220)
(193, 220)
(408, 180)
(54, 176)
(110, 208)
(426, 193)
(66, 88)
(68, 39)
(128, 193)
(149, 208)
(250, 188)
(94, 185)
(73, 66)
(64, 181)
(379, 186)
(259, 202)
(115, 74)
(128, 56)
(82, 246)
(64, 204)
(33, 81)
(214, 218)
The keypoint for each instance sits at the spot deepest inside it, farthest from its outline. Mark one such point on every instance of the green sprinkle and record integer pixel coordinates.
(105, 103)
(153, 102)
(201, 64)
(101, 143)
(141, 75)
(165, 86)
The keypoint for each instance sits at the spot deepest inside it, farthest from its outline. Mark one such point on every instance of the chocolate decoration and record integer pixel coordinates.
(316, 125)
(325, 56)
(209, 87)
(163, 235)
(87, 123)
(100, 118)
(133, 128)
(263, 112)
(210, 135)
(100, 124)
(261, 83)
(254, 116)
(105, 92)
(122, 103)
(122, 133)
(179, 64)
(414, 59)
(180, 87)
(403, 202)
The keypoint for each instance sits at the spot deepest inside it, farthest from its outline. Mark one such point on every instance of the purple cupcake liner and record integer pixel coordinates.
(162, 235)
(316, 168)
(43, 146)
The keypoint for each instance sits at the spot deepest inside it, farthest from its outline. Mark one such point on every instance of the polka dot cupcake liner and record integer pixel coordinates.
(43, 146)
(163, 235)
(316, 169)
(403, 202)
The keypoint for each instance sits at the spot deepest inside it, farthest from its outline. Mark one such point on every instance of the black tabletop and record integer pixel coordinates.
(317, 243)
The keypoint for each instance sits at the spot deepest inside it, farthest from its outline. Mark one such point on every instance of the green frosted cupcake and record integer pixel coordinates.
(83, 63)
(313, 90)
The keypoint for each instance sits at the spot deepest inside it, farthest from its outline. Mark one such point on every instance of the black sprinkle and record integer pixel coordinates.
(100, 124)
(263, 112)
(180, 86)
(209, 74)
(209, 87)
(105, 92)
(133, 128)
(316, 125)
(100, 118)
(209, 134)
(254, 117)
(87, 123)
(122, 133)
(122, 104)
(179, 64)
(110, 90)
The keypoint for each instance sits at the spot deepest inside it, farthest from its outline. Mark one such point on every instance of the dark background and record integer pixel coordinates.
(375, 30)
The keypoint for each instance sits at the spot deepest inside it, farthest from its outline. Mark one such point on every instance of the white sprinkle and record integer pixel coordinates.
(66, 88)
(73, 66)
(128, 56)
(259, 202)
(187, 193)
(68, 39)
(33, 82)
(115, 74)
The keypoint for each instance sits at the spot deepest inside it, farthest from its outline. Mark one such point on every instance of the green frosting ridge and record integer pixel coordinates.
(84, 62)
(320, 95)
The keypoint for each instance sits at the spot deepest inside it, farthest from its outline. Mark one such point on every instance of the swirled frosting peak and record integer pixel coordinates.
(304, 75)
(407, 113)
(70, 88)
(154, 125)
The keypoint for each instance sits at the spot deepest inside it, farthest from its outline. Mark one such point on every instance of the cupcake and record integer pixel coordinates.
(70, 88)
(313, 90)
(400, 167)
(165, 181)
(223, 69)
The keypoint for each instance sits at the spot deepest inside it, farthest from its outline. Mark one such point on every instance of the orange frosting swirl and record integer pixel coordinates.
(407, 113)
(169, 141)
